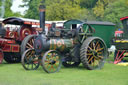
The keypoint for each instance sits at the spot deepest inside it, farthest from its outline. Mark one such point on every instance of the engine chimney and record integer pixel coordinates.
(42, 17)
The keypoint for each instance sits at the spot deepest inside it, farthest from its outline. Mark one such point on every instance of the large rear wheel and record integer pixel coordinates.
(27, 43)
(93, 53)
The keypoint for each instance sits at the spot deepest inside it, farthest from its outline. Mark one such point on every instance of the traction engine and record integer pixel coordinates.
(69, 47)
(11, 37)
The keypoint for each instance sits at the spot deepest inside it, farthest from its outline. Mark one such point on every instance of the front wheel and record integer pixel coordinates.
(30, 61)
(93, 53)
(51, 61)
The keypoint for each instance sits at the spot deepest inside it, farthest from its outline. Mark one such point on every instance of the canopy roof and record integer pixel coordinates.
(20, 21)
(123, 18)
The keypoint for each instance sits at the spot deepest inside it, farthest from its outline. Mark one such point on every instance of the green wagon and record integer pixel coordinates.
(104, 30)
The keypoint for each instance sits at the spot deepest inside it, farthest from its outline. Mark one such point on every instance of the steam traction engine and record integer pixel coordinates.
(121, 42)
(12, 35)
(69, 47)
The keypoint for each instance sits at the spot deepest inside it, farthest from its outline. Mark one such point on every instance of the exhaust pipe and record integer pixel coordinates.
(42, 17)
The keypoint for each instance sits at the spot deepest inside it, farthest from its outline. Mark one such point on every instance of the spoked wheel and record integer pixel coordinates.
(27, 43)
(51, 61)
(30, 61)
(1, 56)
(12, 57)
(93, 53)
(83, 33)
(70, 64)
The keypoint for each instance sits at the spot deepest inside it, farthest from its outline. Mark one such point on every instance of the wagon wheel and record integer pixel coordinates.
(70, 64)
(93, 52)
(12, 57)
(27, 43)
(30, 61)
(1, 56)
(51, 61)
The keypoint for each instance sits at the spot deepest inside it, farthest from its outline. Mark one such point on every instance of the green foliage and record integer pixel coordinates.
(88, 3)
(33, 11)
(77, 9)
(104, 10)
(8, 11)
(57, 9)
(115, 11)
(100, 8)
(65, 9)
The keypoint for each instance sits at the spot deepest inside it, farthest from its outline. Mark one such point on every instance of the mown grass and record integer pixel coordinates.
(14, 74)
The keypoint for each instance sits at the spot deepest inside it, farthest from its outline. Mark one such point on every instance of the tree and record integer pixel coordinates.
(115, 11)
(2, 8)
(33, 8)
(56, 9)
(65, 9)
(7, 12)
(100, 7)
(88, 3)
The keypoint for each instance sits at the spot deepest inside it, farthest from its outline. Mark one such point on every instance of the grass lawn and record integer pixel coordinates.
(14, 74)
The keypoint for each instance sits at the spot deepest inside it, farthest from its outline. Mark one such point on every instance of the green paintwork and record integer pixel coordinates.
(61, 44)
(104, 31)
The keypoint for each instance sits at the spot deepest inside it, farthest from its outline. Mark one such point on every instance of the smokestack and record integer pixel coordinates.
(42, 18)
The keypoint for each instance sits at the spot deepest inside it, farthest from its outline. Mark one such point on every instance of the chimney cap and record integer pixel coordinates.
(42, 7)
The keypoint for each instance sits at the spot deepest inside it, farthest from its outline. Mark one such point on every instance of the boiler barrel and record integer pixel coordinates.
(42, 43)
(61, 44)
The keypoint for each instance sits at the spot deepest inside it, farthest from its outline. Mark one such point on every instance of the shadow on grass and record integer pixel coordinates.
(80, 67)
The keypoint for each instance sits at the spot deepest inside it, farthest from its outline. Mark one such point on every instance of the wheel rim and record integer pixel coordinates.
(24, 31)
(95, 53)
(30, 43)
(30, 60)
(82, 32)
(27, 43)
(51, 61)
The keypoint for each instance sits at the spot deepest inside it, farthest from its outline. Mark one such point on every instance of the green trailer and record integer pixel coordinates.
(104, 30)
